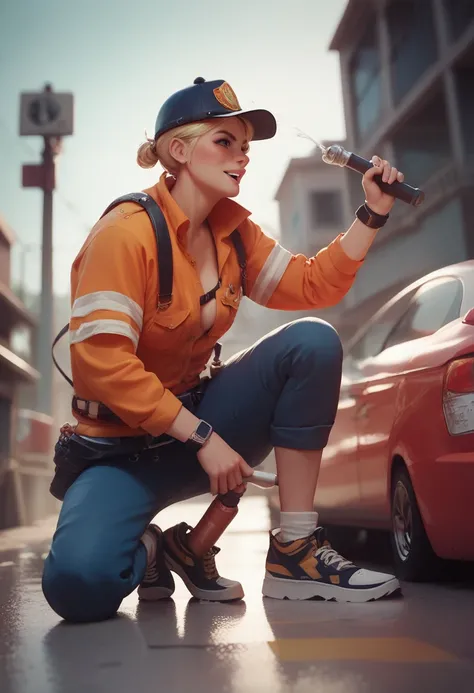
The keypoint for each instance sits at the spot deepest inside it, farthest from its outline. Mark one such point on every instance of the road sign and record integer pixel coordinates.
(46, 113)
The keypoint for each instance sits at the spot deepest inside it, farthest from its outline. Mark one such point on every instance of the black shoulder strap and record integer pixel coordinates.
(165, 257)
(240, 250)
(59, 336)
(163, 243)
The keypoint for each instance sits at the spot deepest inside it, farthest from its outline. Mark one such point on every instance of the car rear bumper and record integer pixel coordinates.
(446, 499)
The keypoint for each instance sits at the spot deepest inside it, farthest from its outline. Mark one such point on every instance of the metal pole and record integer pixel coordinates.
(44, 402)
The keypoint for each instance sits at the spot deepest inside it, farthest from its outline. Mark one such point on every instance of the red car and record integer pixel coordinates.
(401, 454)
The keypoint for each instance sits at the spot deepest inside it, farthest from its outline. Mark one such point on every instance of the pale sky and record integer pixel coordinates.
(121, 60)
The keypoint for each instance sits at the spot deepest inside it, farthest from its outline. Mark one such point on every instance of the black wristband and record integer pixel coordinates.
(370, 218)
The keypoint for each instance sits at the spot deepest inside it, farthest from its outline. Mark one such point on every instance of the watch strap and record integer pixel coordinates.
(199, 436)
(370, 218)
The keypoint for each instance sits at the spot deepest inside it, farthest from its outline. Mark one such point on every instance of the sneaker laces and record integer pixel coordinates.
(330, 557)
(208, 560)
(209, 563)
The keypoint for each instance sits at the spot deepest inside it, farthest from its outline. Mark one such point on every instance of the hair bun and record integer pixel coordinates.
(146, 155)
(199, 80)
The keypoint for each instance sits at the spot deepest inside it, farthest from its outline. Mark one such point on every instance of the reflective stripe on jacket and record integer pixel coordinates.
(135, 358)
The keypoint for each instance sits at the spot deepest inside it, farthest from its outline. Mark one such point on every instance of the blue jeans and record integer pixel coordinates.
(283, 391)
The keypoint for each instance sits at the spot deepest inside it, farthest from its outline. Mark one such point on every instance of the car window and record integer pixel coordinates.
(433, 306)
(371, 342)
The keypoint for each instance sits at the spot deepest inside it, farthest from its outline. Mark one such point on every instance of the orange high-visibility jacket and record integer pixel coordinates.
(135, 358)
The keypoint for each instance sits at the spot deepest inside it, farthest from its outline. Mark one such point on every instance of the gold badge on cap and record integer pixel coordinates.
(226, 97)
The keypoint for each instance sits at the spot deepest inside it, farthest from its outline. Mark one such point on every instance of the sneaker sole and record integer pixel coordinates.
(225, 595)
(154, 594)
(277, 588)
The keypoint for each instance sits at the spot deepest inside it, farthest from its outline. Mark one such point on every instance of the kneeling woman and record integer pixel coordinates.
(171, 435)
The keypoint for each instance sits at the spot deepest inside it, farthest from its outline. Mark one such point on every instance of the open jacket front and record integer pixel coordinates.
(135, 358)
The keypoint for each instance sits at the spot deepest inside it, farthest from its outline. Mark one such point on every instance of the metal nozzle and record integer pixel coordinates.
(262, 479)
(336, 155)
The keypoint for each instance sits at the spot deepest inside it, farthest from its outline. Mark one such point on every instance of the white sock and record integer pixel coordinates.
(297, 525)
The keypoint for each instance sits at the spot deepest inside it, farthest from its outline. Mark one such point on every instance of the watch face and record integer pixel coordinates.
(203, 429)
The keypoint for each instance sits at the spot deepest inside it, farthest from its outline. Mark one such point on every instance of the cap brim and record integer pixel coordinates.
(263, 122)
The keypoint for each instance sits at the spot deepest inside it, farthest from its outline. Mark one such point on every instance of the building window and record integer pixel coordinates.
(326, 208)
(459, 16)
(413, 46)
(365, 80)
(422, 145)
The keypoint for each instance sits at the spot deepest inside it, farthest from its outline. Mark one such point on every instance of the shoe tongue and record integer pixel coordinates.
(183, 529)
(320, 535)
(183, 533)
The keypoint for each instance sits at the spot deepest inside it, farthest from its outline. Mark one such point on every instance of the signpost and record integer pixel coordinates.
(48, 115)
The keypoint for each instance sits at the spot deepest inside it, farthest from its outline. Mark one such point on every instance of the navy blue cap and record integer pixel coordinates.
(204, 100)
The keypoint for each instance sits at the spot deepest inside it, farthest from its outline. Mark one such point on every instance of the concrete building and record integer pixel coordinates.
(407, 68)
(314, 207)
(24, 471)
(314, 203)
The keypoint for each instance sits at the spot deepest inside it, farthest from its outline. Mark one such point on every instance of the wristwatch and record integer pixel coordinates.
(199, 436)
(370, 218)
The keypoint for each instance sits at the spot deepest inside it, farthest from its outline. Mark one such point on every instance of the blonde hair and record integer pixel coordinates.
(151, 152)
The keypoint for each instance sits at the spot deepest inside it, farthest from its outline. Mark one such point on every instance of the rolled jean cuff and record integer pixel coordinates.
(304, 438)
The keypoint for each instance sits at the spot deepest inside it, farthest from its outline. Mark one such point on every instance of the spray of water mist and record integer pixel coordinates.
(305, 136)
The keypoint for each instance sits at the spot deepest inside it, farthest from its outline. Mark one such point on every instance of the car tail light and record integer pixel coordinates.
(458, 396)
(460, 376)
(469, 317)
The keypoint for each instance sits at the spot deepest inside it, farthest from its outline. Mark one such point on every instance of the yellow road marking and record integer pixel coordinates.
(366, 649)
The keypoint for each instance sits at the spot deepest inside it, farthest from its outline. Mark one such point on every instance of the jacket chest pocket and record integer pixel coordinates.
(170, 329)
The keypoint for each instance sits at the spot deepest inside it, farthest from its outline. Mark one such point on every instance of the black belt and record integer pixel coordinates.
(96, 411)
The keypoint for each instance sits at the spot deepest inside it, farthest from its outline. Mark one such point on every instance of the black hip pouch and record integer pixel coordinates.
(73, 455)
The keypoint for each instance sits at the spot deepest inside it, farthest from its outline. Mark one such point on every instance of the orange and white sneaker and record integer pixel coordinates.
(309, 567)
(200, 575)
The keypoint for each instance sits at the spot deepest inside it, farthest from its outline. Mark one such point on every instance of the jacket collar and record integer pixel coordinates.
(224, 218)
